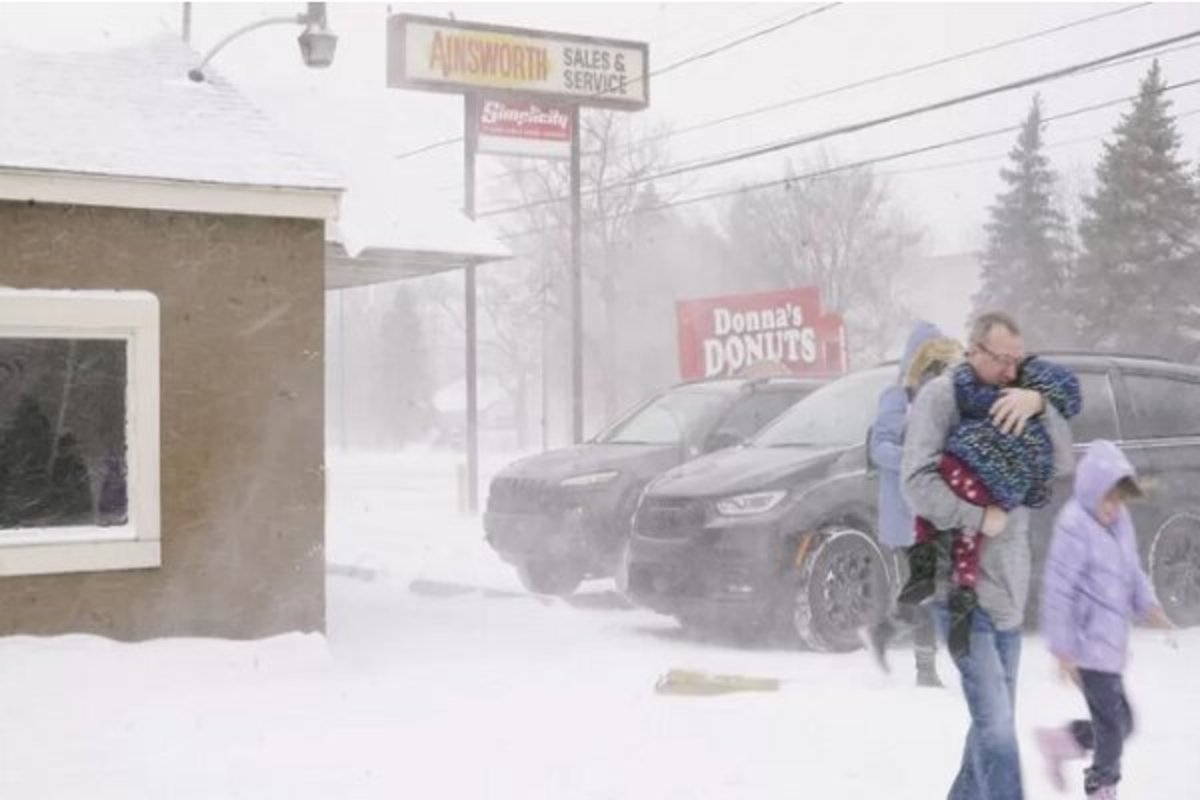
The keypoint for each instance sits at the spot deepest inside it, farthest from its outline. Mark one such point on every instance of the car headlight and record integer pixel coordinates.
(742, 505)
(590, 479)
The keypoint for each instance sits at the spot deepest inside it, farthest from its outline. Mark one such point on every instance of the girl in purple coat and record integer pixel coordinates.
(1094, 586)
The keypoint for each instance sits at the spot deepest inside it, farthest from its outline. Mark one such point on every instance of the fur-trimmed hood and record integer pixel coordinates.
(939, 349)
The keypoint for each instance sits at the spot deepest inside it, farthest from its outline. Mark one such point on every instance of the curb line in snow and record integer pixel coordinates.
(351, 571)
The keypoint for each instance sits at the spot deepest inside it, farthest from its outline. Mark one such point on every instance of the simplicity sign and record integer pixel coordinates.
(524, 129)
(448, 56)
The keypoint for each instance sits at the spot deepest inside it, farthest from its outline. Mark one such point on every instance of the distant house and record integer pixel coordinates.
(161, 353)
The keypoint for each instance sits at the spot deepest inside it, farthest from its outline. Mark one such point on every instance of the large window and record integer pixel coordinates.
(78, 431)
(751, 413)
(670, 418)
(1098, 418)
(1163, 406)
(836, 415)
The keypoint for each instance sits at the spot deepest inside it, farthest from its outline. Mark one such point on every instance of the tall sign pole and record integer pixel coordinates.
(187, 23)
(470, 145)
(508, 77)
(576, 284)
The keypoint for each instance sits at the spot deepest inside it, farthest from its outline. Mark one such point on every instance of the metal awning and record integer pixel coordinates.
(366, 246)
(380, 265)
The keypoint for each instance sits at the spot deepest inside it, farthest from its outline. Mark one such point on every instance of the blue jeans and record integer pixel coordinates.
(991, 762)
(1105, 733)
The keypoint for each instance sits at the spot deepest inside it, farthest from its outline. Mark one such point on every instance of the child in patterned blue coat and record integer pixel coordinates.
(985, 466)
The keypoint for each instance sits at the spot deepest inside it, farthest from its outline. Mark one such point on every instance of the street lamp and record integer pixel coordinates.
(317, 42)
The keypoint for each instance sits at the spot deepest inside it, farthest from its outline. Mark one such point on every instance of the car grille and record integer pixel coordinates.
(669, 518)
(525, 496)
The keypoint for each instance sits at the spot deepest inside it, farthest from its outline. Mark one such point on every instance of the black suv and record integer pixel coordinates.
(563, 516)
(780, 533)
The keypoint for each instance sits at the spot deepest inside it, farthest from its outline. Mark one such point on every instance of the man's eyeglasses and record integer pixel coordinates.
(1002, 360)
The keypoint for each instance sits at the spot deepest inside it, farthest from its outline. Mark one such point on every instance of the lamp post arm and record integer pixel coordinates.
(197, 72)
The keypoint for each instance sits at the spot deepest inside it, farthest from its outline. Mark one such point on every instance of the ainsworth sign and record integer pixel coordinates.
(448, 56)
(722, 336)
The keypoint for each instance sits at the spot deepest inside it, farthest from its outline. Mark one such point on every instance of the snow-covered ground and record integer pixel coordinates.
(440, 678)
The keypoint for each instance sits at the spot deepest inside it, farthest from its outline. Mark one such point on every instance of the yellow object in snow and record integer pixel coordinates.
(691, 682)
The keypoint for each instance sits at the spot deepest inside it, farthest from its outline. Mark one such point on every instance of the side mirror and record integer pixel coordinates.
(722, 438)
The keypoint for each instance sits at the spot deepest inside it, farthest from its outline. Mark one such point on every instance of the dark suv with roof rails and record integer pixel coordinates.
(564, 515)
(781, 532)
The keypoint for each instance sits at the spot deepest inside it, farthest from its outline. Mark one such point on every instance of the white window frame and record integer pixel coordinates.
(131, 316)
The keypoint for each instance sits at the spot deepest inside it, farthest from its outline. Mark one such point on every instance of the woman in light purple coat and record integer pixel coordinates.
(1094, 586)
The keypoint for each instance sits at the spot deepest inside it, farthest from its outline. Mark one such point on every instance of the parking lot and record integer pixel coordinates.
(541, 697)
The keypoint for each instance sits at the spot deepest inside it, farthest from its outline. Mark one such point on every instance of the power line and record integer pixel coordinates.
(788, 143)
(946, 59)
(793, 101)
(1120, 62)
(723, 15)
(787, 103)
(855, 127)
(966, 162)
(663, 70)
(722, 48)
(751, 37)
(791, 179)
(427, 148)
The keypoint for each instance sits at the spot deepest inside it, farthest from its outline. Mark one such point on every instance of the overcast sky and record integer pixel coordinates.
(851, 42)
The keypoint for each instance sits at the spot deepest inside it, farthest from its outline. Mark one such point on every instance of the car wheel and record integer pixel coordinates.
(550, 576)
(1175, 568)
(843, 587)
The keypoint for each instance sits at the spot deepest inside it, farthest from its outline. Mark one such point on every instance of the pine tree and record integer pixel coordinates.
(1137, 278)
(1024, 265)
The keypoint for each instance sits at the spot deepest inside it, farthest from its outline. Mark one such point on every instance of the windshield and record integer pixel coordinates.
(835, 415)
(674, 417)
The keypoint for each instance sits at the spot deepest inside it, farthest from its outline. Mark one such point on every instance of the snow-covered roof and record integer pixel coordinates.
(127, 127)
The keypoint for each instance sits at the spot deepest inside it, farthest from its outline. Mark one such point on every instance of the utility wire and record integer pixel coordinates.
(967, 162)
(794, 101)
(792, 179)
(1120, 62)
(874, 122)
(749, 38)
